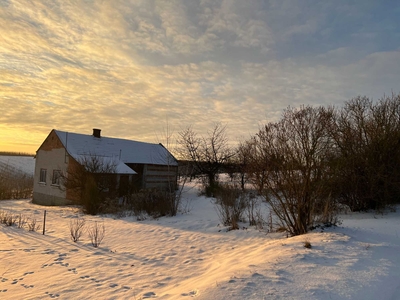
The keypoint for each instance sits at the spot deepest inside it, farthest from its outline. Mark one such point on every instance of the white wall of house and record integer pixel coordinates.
(47, 190)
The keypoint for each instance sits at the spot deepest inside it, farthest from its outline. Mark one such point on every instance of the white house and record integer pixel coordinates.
(146, 165)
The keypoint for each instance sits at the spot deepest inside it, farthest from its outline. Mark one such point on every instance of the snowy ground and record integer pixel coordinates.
(190, 256)
(24, 164)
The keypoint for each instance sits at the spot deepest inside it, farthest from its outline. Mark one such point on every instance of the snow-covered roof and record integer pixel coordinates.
(120, 151)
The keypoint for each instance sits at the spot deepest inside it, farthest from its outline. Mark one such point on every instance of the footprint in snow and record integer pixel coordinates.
(161, 284)
(52, 295)
(257, 275)
(59, 258)
(193, 293)
(167, 278)
(149, 295)
(27, 273)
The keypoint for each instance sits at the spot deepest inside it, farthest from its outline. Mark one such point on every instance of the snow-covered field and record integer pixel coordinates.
(24, 164)
(190, 255)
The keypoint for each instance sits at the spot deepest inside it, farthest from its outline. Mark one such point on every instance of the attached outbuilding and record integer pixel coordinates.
(139, 164)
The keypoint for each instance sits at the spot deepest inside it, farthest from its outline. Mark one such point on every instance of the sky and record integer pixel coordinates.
(136, 67)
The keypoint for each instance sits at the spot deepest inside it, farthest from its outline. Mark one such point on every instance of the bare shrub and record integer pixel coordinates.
(270, 222)
(91, 199)
(76, 228)
(3, 216)
(281, 229)
(7, 218)
(154, 202)
(176, 197)
(10, 219)
(97, 233)
(307, 244)
(231, 204)
(293, 157)
(186, 206)
(21, 221)
(253, 209)
(32, 224)
(328, 213)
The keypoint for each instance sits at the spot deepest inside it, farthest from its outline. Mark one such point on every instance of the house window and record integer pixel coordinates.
(43, 173)
(56, 177)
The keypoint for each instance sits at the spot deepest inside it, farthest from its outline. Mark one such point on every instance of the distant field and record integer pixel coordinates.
(24, 164)
(16, 174)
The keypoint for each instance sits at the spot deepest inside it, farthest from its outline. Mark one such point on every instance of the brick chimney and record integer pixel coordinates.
(96, 132)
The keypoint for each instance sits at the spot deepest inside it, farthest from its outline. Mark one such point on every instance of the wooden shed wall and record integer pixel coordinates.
(156, 176)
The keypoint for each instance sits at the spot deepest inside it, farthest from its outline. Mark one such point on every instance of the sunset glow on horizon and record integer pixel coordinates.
(133, 67)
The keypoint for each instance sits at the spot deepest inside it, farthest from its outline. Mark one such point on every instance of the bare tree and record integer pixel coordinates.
(173, 193)
(367, 136)
(91, 180)
(257, 163)
(207, 154)
(239, 165)
(294, 159)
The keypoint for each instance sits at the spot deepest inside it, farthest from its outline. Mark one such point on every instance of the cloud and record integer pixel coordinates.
(128, 66)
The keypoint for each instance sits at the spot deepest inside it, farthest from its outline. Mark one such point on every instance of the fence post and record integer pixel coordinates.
(44, 222)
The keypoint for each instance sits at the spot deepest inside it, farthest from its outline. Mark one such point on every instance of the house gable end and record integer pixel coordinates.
(51, 142)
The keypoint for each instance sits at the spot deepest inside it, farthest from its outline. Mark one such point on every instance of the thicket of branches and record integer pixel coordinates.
(367, 140)
(315, 159)
(311, 161)
(14, 184)
(92, 182)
